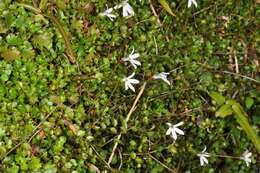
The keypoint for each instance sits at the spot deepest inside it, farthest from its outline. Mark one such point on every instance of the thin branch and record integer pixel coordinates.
(121, 159)
(157, 17)
(232, 73)
(135, 102)
(11, 150)
(240, 75)
(236, 63)
(31, 136)
(126, 120)
(202, 10)
(155, 14)
(100, 157)
(225, 156)
(56, 23)
(156, 46)
(165, 166)
(114, 149)
(35, 133)
(45, 118)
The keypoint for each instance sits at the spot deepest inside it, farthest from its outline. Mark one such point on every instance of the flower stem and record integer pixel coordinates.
(225, 156)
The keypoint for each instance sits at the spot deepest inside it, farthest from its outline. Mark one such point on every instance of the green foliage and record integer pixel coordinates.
(35, 164)
(232, 107)
(218, 98)
(65, 117)
(224, 111)
(242, 120)
(249, 102)
(166, 6)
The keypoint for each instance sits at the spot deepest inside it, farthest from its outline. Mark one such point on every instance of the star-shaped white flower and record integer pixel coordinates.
(108, 13)
(190, 2)
(173, 130)
(129, 82)
(163, 76)
(127, 9)
(132, 59)
(246, 157)
(203, 157)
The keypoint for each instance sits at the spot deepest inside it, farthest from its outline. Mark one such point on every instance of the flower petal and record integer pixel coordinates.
(136, 62)
(125, 13)
(168, 132)
(132, 75)
(179, 131)
(126, 85)
(166, 81)
(129, 9)
(174, 135)
(189, 3)
(179, 124)
(126, 59)
(133, 64)
(248, 154)
(195, 3)
(205, 160)
(156, 76)
(134, 81)
(205, 148)
(169, 124)
(131, 87)
(133, 50)
(134, 56)
(201, 161)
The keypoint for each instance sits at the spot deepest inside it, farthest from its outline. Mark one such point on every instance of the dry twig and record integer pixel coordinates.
(165, 166)
(157, 17)
(126, 120)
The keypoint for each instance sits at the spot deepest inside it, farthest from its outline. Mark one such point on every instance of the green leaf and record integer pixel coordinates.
(14, 40)
(224, 111)
(13, 169)
(241, 117)
(166, 7)
(231, 102)
(35, 164)
(59, 146)
(218, 98)
(249, 102)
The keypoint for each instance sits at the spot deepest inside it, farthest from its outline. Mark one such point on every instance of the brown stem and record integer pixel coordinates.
(126, 120)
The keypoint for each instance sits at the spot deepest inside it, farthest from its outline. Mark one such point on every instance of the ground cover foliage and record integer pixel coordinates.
(57, 115)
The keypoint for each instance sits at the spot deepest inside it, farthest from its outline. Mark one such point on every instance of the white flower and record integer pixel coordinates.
(127, 9)
(129, 81)
(203, 157)
(190, 2)
(173, 130)
(246, 157)
(108, 13)
(132, 59)
(163, 76)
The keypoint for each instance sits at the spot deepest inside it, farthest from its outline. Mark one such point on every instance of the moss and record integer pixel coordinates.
(40, 88)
